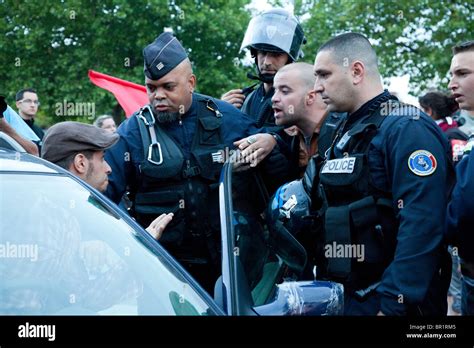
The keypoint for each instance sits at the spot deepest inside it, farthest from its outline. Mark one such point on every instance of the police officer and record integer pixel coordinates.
(274, 38)
(385, 172)
(170, 155)
(461, 208)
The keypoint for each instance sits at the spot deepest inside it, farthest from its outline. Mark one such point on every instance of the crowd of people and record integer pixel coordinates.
(380, 174)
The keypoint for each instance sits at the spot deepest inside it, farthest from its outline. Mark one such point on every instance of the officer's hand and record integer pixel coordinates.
(158, 225)
(253, 150)
(235, 97)
(380, 314)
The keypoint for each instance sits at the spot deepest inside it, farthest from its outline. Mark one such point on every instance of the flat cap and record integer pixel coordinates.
(162, 56)
(67, 138)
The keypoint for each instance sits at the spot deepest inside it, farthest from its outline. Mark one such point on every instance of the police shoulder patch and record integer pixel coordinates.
(422, 163)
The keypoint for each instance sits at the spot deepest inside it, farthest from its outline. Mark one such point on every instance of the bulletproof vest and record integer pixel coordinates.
(187, 187)
(359, 223)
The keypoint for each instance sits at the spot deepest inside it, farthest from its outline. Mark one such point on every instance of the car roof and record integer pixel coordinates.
(13, 161)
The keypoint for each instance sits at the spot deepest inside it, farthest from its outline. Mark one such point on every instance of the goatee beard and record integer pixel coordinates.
(166, 116)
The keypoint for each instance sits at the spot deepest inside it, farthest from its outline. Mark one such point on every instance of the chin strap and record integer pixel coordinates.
(265, 78)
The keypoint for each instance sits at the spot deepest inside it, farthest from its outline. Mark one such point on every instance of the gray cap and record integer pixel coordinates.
(162, 56)
(67, 138)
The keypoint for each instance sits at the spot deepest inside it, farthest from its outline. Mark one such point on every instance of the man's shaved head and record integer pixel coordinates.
(304, 71)
(349, 47)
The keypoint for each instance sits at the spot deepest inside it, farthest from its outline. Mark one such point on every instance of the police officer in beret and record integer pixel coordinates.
(382, 190)
(170, 155)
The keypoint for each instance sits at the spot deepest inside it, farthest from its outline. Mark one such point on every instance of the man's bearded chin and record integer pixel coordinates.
(166, 116)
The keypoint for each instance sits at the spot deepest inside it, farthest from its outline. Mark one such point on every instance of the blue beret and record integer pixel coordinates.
(162, 56)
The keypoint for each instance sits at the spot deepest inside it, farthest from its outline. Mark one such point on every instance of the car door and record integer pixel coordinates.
(261, 265)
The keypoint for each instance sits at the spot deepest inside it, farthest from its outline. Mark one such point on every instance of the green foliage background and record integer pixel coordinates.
(50, 45)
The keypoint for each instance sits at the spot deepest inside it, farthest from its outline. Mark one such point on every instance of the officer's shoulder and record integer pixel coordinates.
(401, 115)
(129, 126)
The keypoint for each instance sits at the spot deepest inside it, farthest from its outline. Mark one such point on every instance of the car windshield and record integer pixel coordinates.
(64, 252)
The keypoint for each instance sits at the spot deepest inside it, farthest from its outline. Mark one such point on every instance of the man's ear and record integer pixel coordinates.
(310, 97)
(79, 165)
(192, 82)
(358, 72)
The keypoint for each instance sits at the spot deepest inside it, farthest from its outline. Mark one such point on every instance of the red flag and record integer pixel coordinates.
(130, 96)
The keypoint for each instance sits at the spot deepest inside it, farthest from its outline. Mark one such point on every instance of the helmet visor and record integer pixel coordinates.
(271, 30)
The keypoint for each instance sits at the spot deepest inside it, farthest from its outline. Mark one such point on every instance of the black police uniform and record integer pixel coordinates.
(382, 192)
(258, 105)
(186, 180)
(460, 222)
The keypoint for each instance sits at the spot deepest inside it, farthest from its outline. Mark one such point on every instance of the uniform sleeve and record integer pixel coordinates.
(460, 213)
(237, 125)
(120, 159)
(421, 200)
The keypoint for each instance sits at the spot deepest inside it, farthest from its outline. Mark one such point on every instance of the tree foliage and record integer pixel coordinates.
(411, 37)
(51, 45)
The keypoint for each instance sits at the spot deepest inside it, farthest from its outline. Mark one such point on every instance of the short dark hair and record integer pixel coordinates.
(352, 46)
(464, 47)
(66, 163)
(21, 92)
(440, 104)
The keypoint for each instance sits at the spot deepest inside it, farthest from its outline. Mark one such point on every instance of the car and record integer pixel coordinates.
(66, 249)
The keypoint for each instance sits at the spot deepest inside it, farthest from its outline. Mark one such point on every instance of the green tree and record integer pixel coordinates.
(51, 45)
(411, 37)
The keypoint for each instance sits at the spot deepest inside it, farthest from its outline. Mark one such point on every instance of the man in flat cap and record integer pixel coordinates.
(170, 156)
(79, 148)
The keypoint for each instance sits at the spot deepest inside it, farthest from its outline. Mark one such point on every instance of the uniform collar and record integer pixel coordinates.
(370, 106)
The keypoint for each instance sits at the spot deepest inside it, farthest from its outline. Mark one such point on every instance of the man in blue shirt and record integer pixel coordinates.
(12, 125)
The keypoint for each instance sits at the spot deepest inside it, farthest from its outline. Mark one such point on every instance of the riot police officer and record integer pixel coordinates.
(385, 172)
(274, 39)
(170, 154)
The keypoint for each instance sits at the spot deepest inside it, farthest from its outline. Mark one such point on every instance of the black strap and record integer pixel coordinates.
(338, 234)
(158, 147)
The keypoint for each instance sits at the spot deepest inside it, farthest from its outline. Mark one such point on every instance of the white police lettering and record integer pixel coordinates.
(339, 166)
(37, 331)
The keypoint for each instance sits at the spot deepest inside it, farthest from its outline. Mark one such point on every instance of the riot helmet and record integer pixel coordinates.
(290, 208)
(276, 30)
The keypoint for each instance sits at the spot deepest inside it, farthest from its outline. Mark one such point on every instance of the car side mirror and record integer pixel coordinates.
(318, 298)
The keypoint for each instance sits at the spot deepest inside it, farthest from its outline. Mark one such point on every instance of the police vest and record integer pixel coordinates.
(359, 223)
(186, 187)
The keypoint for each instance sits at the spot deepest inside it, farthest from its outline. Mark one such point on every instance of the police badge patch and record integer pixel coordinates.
(422, 163)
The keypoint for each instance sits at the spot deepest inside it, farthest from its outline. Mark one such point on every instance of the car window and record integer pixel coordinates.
(63, 252)
(262, 263)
